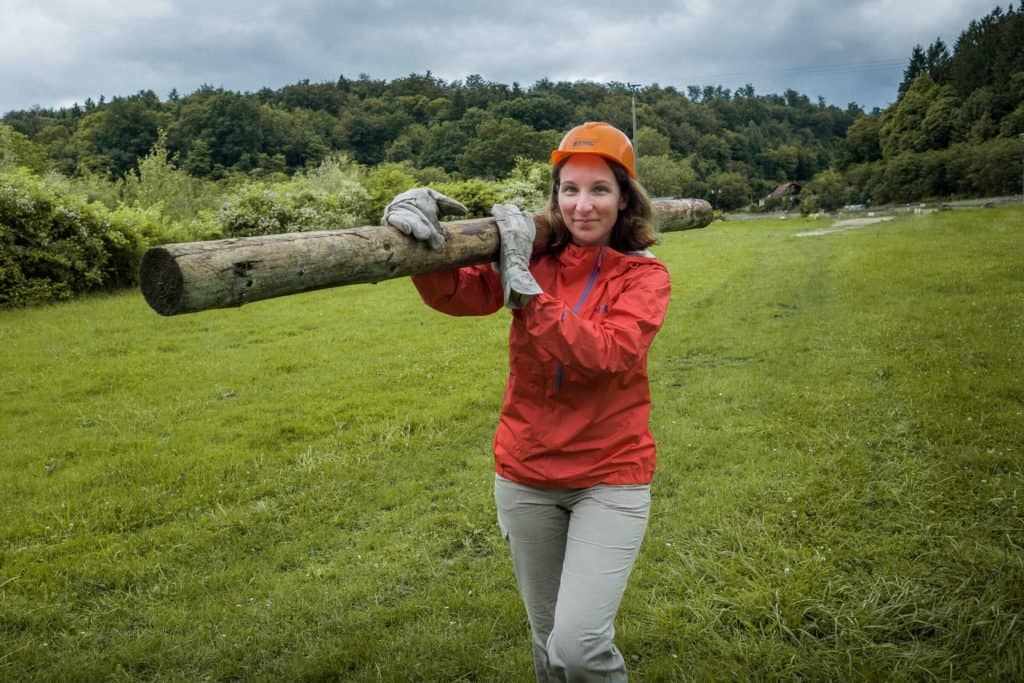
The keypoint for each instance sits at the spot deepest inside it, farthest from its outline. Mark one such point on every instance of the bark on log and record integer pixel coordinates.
(196, 276)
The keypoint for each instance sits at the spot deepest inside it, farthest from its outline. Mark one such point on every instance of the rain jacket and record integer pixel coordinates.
(577, 405)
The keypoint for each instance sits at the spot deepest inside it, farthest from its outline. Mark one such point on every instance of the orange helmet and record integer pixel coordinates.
(603, 139)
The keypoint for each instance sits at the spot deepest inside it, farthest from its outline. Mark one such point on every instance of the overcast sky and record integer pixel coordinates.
(54, 53)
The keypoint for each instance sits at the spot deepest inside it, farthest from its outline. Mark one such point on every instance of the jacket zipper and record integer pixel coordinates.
(560, 367)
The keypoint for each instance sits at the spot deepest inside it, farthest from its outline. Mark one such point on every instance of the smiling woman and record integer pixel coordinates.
(589, 199)
(596, 199)
(574, 454)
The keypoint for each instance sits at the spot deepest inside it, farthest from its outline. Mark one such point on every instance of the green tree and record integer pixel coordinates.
(444, 143)
(937, 62)
(302, 137)
(199, 160)
(16, 149)
(369, 129)
(538, 111)
(323, 97)
(862, 142)
(497, 143)
(729, 190)
(939, 123)
(158, 184)
(994, 167)
(664, 176)
(1013, 123)
(230, 124)
(830, 188)
(112, 138)
(651, 142)
(714, 149)
(409, 144)
(975, 120)
(902, 127)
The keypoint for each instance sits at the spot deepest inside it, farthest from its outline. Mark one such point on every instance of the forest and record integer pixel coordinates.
(216, 163)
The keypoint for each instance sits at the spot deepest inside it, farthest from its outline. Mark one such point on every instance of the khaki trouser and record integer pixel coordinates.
(573, 551)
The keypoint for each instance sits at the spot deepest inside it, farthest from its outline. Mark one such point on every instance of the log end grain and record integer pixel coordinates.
(161, 281)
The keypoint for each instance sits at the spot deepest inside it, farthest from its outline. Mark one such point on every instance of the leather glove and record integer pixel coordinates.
(517, 231)
(415, 212)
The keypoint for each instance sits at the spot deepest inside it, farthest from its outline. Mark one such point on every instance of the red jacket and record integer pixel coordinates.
(577, 404)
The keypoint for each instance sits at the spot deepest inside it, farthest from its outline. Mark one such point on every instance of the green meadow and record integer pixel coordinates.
(301, 489)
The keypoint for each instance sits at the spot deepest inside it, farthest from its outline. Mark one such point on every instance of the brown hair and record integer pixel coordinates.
(633, 230)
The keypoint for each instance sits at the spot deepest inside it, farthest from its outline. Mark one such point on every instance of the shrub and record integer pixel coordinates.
(54, 244)
(479, 196)
(382, 183)
(329, 197)
(528, 186)
(158, 183)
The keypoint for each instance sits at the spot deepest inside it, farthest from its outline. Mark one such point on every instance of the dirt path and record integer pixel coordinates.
(848, 224)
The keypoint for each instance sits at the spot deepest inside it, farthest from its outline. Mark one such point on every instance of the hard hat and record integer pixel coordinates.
(597, 138)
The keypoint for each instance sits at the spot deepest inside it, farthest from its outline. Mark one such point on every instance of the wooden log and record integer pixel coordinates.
(197, 276)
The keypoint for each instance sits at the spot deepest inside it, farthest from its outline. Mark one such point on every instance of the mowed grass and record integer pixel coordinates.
(301, 489)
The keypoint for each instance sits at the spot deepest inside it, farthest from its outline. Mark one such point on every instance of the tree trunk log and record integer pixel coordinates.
(196, 276)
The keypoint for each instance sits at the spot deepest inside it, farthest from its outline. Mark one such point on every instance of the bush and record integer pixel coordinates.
(329, 197)
(479, 196)
(157, 183)
(382, 183)
(54, 244)
(528, 186)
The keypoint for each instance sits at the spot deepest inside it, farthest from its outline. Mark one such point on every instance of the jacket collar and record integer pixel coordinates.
(574, 255)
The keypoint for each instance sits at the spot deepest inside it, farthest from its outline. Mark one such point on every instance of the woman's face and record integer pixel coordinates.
(589, 199)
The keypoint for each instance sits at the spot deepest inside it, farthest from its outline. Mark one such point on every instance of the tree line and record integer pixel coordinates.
(730, 146)
(737, 145)
(84, 189)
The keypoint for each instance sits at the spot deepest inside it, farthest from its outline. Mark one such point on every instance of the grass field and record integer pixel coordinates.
(301, 489)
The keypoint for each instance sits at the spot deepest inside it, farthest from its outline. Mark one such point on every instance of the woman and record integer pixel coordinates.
(574, 454)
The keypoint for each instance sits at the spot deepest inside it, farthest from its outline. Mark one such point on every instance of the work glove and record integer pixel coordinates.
(517, 231)
(415, 212)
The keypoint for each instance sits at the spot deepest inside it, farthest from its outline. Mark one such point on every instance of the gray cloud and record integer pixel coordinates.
(54, 53)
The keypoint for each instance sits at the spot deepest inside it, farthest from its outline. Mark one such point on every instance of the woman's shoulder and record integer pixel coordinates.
(642, 258)
(636, 267)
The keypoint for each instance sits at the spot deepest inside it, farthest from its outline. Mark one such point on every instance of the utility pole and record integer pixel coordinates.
(1021, 167)
(636, 150)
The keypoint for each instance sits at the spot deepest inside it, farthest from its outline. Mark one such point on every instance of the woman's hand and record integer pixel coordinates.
(415, 212)
(517, 232)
